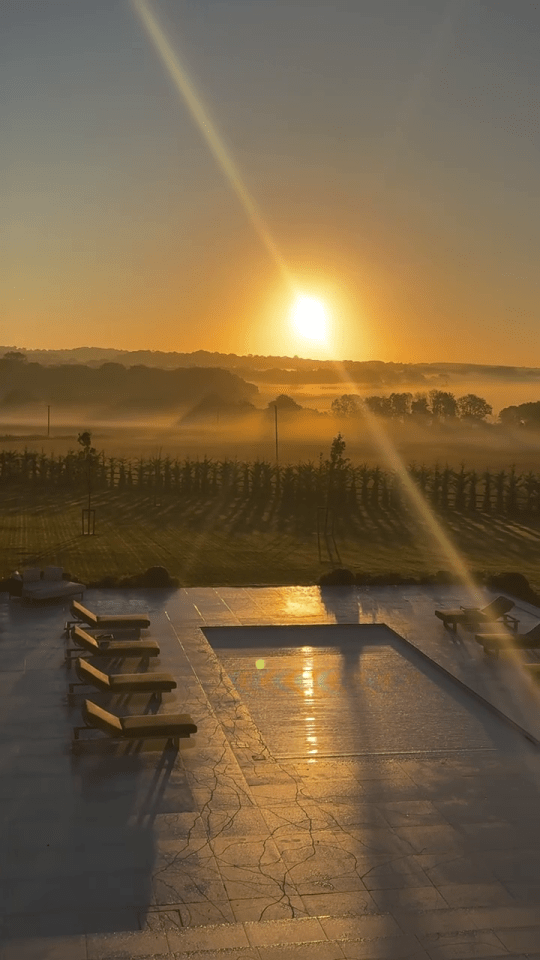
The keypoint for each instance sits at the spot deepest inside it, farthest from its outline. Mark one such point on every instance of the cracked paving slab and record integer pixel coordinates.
(239, 835)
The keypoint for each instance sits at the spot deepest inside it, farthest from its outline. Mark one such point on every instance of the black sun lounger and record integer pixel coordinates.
(474, 616)
(494, 642)
(154, 683)
(168, 726)
(127, 621)
(112, 649)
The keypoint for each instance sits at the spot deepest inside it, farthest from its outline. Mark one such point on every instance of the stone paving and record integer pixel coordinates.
(359, 796)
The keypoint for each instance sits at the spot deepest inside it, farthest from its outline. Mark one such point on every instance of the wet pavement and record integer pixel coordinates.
(363, 784)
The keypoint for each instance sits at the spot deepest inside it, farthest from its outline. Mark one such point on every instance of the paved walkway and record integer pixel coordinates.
(353, 791)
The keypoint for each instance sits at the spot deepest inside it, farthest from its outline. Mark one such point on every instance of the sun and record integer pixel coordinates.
(309, 318)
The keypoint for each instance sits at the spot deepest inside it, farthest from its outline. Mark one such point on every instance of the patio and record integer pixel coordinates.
(352, 792)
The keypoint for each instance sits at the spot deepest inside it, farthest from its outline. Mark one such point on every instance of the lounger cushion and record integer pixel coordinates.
(31, 575)
(53, 573)
(166, 725)
(497, 608)
(126, 648)
(113, 620)
(101, 719)
(510, 639)
(118, 648)
(90, 674)
(138, 682)
(82, 613)
(84, 639)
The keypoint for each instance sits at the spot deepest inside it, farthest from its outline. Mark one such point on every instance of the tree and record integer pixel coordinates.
(510, 417)
(337, 460)
(283, 402)
(337, 467)
(419, 405)
(89, 454)
(380, 406)
(347, 405)
(443, 404)
(471, 407)
(16, 356)
(525, 415)
(400, 405)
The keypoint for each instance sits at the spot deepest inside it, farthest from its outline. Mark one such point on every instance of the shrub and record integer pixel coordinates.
(514, 583)
(337, 578)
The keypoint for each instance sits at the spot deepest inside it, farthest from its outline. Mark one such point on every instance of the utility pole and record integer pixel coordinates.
(275, 418)
(48, 419)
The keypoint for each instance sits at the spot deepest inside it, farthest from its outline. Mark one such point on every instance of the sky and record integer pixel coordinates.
(182, 174)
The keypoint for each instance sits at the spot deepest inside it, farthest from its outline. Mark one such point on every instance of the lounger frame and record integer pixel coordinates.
(74, 652)
(96, 621)
(82, 651)
(497, 643)
(462, 618)
(154, 694)
(165, 686)
(150, 734)
(173, 742)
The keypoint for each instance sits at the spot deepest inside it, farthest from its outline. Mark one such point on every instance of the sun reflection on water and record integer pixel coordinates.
(307, 684)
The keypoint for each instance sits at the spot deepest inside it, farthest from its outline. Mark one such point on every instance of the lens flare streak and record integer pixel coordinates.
(202, 119)
(417, 501)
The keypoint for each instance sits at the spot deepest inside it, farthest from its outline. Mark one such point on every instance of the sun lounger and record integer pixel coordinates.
(111, 649)
(474, 616)
(128, 621)
(154, 683)
(494, 642)
(168, 726)
(49, 584)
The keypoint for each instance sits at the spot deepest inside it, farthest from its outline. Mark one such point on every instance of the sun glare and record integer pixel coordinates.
(309, 317)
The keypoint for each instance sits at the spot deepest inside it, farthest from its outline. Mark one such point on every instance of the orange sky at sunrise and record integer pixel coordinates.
(181, 193)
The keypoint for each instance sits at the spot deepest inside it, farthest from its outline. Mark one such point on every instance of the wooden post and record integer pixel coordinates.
(88, 522)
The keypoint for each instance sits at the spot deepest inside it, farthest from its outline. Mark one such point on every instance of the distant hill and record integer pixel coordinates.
(285, 370)
(24, 382)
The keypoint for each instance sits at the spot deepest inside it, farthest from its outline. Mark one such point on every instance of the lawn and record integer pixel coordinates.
(211, 543)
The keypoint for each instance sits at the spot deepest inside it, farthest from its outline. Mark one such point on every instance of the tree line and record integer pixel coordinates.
(435, 405)
(113, 384)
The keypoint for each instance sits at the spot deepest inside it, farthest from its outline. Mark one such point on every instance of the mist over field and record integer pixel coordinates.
(251, 436)
(208, 407)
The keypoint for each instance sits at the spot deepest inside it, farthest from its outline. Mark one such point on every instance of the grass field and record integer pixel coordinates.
(236, 543)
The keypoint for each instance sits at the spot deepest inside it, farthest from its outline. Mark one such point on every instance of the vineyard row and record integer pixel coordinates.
(308, 484)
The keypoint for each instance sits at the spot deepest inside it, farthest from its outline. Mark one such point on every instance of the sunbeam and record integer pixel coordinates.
(201, 117)
(199, 114)
(417, 501)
